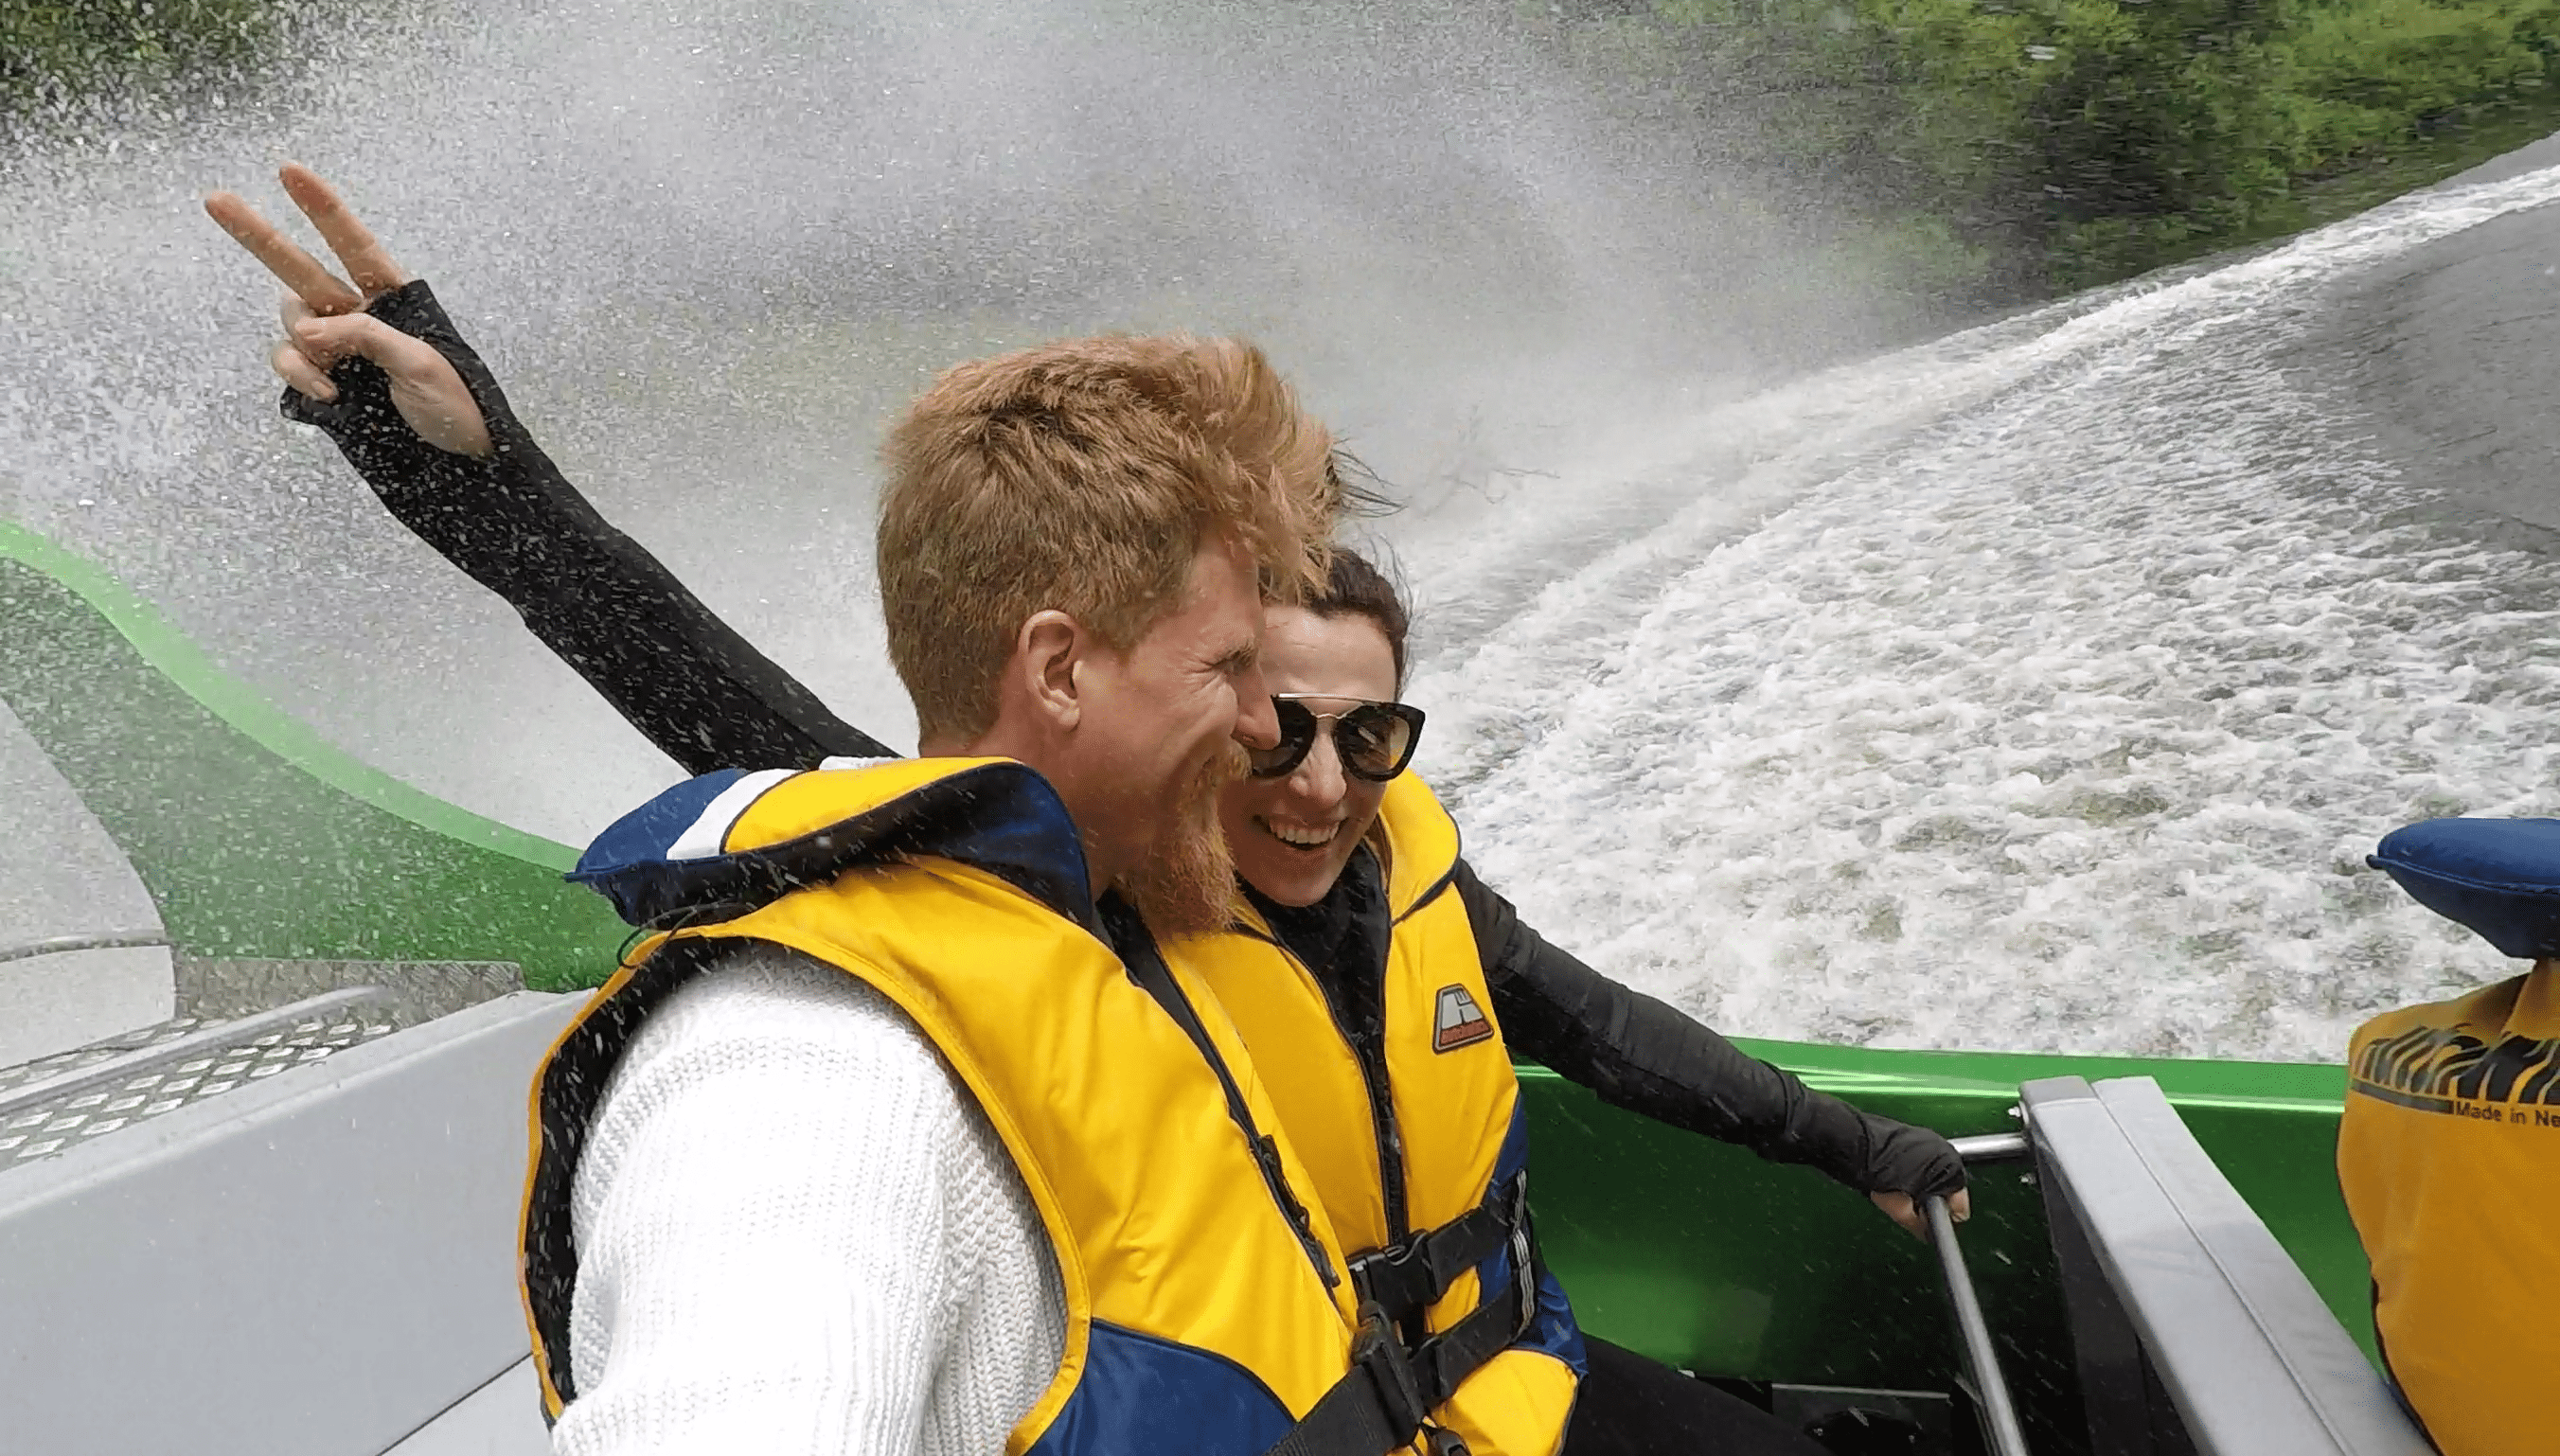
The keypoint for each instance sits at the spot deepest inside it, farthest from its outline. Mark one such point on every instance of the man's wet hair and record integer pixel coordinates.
(1083, 477)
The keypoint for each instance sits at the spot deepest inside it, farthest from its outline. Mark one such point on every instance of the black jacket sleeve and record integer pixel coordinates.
(1642, 1056)
(693, 687)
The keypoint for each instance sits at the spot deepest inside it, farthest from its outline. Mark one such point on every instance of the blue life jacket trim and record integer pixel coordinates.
(1147, 1396)
(1002, 817)
(645, 831)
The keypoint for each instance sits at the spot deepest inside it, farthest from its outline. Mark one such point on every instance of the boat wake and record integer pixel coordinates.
(2043, 689)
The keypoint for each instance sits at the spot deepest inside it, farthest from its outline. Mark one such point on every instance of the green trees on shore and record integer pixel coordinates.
(2013, 148)
(1982, 152)
(57, 52)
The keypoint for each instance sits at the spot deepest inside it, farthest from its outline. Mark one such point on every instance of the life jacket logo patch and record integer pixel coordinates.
(1458, 1021)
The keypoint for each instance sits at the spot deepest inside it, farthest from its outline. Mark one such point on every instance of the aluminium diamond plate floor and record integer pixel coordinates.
(155, 1085)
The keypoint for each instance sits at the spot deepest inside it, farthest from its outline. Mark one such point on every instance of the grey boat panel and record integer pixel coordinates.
(322, 1264)
(502, 1418)
(2194, 1330)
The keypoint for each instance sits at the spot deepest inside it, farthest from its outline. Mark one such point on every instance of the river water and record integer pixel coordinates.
(2043, 687)
(2039, 687)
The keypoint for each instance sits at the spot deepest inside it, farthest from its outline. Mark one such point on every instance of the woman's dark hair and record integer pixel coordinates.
(1355, 588)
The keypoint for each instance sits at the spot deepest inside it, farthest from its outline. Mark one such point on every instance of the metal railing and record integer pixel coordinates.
(64, 944)
(2000, 1430)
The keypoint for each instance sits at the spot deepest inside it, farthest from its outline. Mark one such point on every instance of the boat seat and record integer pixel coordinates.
(319, 1262)
(2193, 1330)
(2500, 877)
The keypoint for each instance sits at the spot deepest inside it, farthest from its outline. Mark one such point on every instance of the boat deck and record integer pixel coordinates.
(51, 1102)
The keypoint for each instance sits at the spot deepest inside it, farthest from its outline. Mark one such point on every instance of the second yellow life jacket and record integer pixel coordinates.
(2449, 1154)
(2448, 1151)
(1208, 1310)
(1426, 1187)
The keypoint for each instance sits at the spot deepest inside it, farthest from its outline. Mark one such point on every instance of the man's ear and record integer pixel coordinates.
(1046, 652)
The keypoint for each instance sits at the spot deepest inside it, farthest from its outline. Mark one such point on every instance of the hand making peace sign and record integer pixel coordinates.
(325, 320)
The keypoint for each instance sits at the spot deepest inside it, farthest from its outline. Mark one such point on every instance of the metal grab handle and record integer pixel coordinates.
(1982, 1363)
(1992, 1147)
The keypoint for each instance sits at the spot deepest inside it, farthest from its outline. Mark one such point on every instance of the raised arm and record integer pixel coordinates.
(380, 368)
(1646, 1056)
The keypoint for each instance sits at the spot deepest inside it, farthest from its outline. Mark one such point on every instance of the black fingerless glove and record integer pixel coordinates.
(449, 500)
(1910, 1160)
(364, 402)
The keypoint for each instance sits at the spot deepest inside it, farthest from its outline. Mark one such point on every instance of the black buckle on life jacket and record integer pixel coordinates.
(1411, 1274)
(1397, 1278)
(1385, 1399)
(1376, 1351)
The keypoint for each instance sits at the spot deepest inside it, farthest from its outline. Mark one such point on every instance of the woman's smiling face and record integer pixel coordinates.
(1292, 835)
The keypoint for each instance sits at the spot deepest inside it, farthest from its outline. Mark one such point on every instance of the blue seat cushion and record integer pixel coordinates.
(2500, 877)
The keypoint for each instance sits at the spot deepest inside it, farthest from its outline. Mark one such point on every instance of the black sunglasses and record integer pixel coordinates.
(1373, 741)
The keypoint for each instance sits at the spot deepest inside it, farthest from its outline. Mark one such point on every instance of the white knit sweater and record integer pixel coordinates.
(798, 1234)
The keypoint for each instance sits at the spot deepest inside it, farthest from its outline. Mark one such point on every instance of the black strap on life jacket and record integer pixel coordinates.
(1386, 1397)
(1411, 1274)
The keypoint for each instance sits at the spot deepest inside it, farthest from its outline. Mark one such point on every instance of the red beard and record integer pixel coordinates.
(1186, 886)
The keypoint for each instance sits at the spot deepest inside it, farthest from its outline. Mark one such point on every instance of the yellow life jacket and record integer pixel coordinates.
(2449, 1157)
(1206, 1309)
(1453, 1122)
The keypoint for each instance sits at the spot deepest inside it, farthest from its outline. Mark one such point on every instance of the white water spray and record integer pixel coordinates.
(712, 247)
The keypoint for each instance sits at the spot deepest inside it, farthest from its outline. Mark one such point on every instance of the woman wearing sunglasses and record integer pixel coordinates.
(1364, 960)
(1379, 982)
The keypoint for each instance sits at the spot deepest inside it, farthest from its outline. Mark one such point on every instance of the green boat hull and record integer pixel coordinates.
(1701, 1255)
(1681, 1249)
